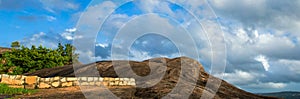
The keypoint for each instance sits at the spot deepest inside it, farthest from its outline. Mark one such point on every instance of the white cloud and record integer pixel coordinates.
(264, 61)
(37, 36)
(268, 85)
(51, 18)
(59, 5)
(240, 77)
(71, 30)
(69, 34)
(104, 45)
(293, 65)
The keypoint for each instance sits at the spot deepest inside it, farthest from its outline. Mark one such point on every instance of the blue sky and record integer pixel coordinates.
(261, 37)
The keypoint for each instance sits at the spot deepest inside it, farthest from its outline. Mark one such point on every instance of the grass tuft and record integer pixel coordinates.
(6, 90)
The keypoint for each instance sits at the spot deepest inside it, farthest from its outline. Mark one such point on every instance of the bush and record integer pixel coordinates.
(23, 60)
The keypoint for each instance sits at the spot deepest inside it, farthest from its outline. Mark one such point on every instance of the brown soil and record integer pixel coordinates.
(173, 67)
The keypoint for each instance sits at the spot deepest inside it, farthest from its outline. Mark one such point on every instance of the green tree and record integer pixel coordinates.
(15, 44)
(23, 60)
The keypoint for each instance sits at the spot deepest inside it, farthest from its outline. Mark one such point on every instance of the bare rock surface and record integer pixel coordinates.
(176, 70)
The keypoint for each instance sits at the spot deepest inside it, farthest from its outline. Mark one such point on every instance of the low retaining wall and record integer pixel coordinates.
(33, 82)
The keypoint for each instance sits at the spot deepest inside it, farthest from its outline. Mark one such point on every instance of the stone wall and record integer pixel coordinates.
(33, 82)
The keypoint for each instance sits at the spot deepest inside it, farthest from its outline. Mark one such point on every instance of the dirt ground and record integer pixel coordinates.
(76, 93)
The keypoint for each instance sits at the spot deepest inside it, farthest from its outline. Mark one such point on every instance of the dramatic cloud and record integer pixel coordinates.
(262, 37)
(264, 61)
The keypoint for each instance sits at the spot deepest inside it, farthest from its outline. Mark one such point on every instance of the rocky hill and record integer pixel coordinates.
(168, 82)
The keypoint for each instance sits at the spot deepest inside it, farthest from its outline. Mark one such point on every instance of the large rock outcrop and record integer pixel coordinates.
(173, 67)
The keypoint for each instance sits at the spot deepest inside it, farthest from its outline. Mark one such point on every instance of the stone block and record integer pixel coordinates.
(96, 79)
(67, 84)
(47, 79)
(76, 83)
(105, 83)
(16, 86)
(71, 79)
(55, 84)
(12, 76)
(10, 81)
(63, 79)
(98, 83)
(100, 79)
(56, 78)
(84, 83)
(90, 79)
(126, 79)
(117, 79)
(30, 86)
(105, 79)
(43, 85)
(18, 77)
(42, 79)
(91, 83)
(23, 77)
(132, 79)
(31, 80)
(83, 79)
(111, 79)
(5, 75)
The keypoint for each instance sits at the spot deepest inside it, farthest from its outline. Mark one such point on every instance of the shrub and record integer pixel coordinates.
(24, 59)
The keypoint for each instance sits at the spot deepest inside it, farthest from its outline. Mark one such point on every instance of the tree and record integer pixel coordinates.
(23, 60)
(15, 44)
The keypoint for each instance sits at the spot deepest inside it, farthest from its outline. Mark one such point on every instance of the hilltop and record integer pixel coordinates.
(165, 86)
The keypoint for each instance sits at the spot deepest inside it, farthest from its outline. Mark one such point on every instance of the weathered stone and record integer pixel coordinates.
(56, 78)
(23, 77)
(117, 79)
(132, 79)
(42, 79)
(16, 86)
(12, 76)
(31, 80)
(10, 81)
(126, 79)
(105, 83)
(5, 75)
(76, 83)
(55, 84)
(91, 83)
(67, 84)
(18, 77)
(131, 84)
(47, 79)
(100, 79)
(90, 79)
(43, 85)
(63, 79)
(30, 86)
(84, 83)
(98, 83)
(83, 79)
(71, 79)
(111, 79)
(105, 79)
(96, 79)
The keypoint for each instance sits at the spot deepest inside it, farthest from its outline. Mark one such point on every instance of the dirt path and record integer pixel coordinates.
(75, 93)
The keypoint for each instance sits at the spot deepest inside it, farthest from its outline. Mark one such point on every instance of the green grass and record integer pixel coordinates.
(6, 90)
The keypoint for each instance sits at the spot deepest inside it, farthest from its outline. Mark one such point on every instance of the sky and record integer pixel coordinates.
(261, 37)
